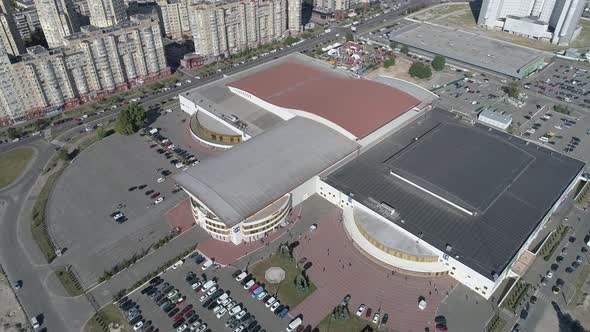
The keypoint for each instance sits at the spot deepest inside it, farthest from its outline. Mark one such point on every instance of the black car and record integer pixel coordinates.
(154, 280)
(142, 186)
(149, 192)
(132, 188)
(161, 300)
(135, 320)
(178, 323)
(346, 299)
(192, 319)
(234, 324)
(212, 305)
(147, 289)
(256, 328)
(189, 314)
(251, 325)
(123, 302)
(152, 291)
(173, 312)
(386, 318)
(168, 289)
(207, 303)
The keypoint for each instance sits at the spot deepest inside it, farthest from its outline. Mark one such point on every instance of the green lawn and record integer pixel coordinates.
(13, 163)
(583, 39)
(68, 281)
(288, 294)
(109, 314)
(353, 324)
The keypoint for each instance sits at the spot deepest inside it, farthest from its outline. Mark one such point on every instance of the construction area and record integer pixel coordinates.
(12, 317)
(355, 57)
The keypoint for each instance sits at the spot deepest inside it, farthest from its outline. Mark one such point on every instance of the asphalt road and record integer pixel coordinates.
(21, 259)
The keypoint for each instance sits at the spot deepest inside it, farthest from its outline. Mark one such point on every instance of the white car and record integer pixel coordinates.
(35, 323)
(172, 294)
(217, 308)
(212, 290)
(230, 304)
(203, 298)
(235, 310)
(531, 130)
(558, 127)
(270, 301)
(182, 327)
(179, 165)
(118, 215)
(249, 284)
(360, 310)
(196, 285)
(221, 312)
(543, 139)
(159, 200)
(376, 318)
(160, 180)
(240, 328)
(195, 325)
(177, 264)
(36, 133)
(241, 314)
(225, 302)
(549, 274)
(137, 325)
(207, 265)
(274, 306)
(202, 328)
(261, 296)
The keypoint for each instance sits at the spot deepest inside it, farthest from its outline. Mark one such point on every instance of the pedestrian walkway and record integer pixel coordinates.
(180, 216)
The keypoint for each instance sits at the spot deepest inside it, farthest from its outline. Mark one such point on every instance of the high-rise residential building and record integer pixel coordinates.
(92, 63)
(294, 8)
(26, 20)
(105, 13)
(221, 29)
(336, 6)
(174, 18)
(551, 20)
(10, 40)
(58, 20)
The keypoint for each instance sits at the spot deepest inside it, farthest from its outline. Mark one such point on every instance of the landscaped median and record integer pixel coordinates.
(496, 324)
(553, 242)
(294, 288)
(13, 163)
(516, 296)
(69, 281)
(352, 323)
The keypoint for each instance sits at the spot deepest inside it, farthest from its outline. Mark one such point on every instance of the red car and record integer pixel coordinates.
(153, 145)
(198, 289)
(154, 195)
(253, 288)
(368, 313)
(180, 300)
(177, 317)
(186, 309)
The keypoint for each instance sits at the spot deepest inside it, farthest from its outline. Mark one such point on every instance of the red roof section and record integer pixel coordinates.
(357, 105)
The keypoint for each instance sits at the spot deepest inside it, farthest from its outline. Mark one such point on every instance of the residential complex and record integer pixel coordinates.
(550, 20)
(335, 6)
(10, 39)
(91, 64)
(58, 20)
(26, 21)
(105, 13)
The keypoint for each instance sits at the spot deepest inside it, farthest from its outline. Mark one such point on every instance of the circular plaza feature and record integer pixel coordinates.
(274, 275)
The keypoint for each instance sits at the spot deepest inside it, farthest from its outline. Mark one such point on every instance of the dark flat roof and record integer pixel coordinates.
(461, 164)
(358, 105)
(516, 196)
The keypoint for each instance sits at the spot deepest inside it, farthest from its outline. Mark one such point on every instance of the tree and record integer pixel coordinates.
(137, 116)
(291, 40)
(404, 49)
(63, 154)
(389, 62)
(319, 51)
(393, 45)
(420, 70)
(37, 38)
(12, 133)
(124, 124)
(438, 63)
(101, 133)
(511, 89)
(349, 36)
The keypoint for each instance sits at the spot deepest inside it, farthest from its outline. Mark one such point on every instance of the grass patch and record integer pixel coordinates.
(69, 281)
(106, 316)
(516, 296)
(583, 39)
(496, 324)
(13, 163)
(39, 225)
(352, 324)
(553, 242)
(287, 293)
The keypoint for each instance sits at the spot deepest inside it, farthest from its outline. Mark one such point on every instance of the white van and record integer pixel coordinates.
(177, 264)
(208, 285)
(241, 276)
(249, 284)
(35, 323)
(207, 265)
(294, 324)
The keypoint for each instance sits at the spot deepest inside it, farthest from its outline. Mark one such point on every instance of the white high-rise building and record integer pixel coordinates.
(552, 20)
(294, 8)
(93, 63)
(105, 13)
(58, 20)
(174, 17)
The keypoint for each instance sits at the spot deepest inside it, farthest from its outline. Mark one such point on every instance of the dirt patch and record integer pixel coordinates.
(12, 317)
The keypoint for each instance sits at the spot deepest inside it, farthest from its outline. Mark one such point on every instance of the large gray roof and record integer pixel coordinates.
(527, 187)
(242, 181)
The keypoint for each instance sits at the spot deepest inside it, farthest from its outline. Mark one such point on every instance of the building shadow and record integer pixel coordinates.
(566, 322)
(475, 7)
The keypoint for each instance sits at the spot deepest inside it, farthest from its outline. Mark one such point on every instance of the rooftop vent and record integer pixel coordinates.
(448, 247)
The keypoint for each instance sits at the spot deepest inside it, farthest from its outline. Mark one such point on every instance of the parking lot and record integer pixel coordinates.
(120, 174)
(256, 314)
(564, 82)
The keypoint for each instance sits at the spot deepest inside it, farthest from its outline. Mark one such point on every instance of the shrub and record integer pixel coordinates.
(404, 50)
(420, 70)
(389, 62)
(438, 63)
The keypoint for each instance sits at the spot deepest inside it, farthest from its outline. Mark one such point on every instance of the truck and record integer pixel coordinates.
(208, 285)
(257, 291)
(153, 131)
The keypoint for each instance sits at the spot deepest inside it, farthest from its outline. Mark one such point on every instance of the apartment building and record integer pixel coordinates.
(58, 20)
(26, 21)
(294, 8)
(174, 18)
(552, 20)
(335, 6)
(92, 64)
(106, 13)
(221, 29)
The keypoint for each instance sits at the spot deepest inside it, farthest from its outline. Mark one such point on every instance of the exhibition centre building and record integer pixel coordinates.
(421, 190)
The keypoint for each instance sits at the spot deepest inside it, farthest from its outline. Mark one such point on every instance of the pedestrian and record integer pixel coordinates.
(429, 292)
(349, 264)
(324, 270)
